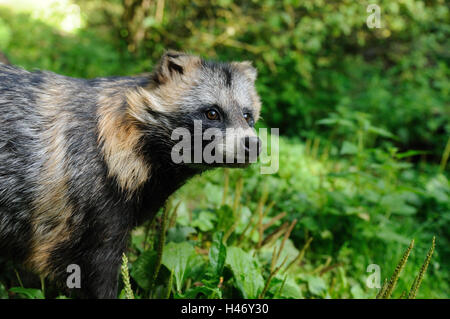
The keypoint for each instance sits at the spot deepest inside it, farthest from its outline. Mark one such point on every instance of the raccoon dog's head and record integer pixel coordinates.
(206, 110)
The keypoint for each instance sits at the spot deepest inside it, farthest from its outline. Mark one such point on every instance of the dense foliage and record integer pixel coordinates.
(364, 115)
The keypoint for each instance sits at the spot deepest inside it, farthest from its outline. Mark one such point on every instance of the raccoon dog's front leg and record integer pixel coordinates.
(95, 259)
(100, 279)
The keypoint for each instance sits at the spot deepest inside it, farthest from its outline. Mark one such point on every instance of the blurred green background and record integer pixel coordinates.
(364, 118)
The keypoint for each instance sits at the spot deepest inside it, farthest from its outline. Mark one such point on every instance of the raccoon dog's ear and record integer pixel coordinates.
(247, 68)
(173, 65)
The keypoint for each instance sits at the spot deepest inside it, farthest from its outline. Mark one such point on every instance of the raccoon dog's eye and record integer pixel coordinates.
(248, 117)
(212, 115)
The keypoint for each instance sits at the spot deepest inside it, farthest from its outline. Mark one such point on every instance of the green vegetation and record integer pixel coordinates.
(364, 119)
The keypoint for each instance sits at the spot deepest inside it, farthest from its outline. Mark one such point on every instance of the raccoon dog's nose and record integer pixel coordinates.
(252, 145)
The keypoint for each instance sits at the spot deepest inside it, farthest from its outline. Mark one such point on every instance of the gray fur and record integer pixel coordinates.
(60, 201)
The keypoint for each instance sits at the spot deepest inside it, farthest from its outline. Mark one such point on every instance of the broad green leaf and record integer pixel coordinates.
(246, 272)
(176, 258)
(143, 269)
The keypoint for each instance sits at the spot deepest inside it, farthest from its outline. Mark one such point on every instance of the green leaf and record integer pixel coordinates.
(357, 292)
(246, 214)
(179, 233)
(217, 253)
(381, 132)
(209, 292)
(410, 153)
(245, 271)
(183, 218)
(225, 218)
(316, 285)
(30, 293)
(335, 121)
(143, 269)
(396, 204)
(176, 257)
(289, 289)
(205, 221)
(349, 148)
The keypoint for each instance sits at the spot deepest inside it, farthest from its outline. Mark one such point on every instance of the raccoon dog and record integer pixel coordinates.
(82, 162)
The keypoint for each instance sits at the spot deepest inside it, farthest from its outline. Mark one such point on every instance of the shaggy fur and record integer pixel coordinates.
(82, 162)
